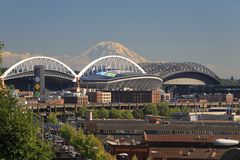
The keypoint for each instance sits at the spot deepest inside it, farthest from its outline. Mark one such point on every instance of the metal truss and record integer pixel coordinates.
(53, 68)
(165, 70)
(109, 63)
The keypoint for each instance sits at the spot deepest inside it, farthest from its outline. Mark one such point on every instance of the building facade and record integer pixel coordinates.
(136, 96)
(99, 97)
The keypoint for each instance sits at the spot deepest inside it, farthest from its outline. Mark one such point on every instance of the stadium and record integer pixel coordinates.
(106, 73)
(117, 73)
(186, 73)
(184, 78)
(57, 75)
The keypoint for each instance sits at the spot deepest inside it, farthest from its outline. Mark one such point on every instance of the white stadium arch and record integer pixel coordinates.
(53, 67)
(114, 62)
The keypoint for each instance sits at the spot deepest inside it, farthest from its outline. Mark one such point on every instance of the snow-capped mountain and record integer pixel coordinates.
(77, 62)
(101, 49)
(112, 48)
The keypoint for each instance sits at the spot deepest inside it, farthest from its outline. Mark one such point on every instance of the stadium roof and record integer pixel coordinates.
(185, 72)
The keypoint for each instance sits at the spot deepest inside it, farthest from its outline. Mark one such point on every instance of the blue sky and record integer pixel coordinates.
(203, 31)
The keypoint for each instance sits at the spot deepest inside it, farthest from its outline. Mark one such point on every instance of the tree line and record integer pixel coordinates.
(160, 109)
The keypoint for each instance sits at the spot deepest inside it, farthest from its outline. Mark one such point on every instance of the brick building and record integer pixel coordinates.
(99, 97)
(136, 96)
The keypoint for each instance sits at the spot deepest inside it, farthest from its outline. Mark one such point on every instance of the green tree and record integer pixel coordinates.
(138, 114)
(82, 112)
(95, 114)
(103, 113)
(52, 118)
(230, 81)
(11, 89)
(2, 70)
(94, 149)
(19, 136)
(115, 114)
(127, 114)
(87, 145)
(163, 109)
(79, 141)
(1, 47)
(134, 157)
(150, 109)
(149, 158)
(185, 109)
(67, 132)
(173, 110)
